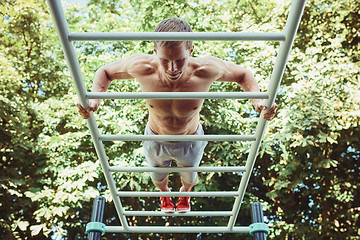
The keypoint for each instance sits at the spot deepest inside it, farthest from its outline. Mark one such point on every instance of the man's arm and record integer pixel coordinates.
(125, 68)
(234, 73)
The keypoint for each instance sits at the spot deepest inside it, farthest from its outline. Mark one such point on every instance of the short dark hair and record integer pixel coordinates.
(173, 25)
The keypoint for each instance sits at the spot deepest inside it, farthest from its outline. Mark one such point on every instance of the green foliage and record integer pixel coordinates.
(306, 175)
(31, 70)
(309, 178)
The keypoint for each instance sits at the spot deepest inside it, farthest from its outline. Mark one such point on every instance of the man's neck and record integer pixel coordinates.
(174, 83)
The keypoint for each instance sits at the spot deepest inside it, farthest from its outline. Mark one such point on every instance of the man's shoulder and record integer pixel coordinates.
(206, 66)
(141, 57)
(207, 61)
(141, 64)
(203, 62)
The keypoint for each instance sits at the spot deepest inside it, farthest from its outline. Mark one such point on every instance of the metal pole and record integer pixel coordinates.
(97, 216)
(176, 36)
(170, 229)
(177, 169)
(187, 214)
(62, 29)
(291, 27)
(124, 137)
(177, 95)
(177, 194)
(257, 216)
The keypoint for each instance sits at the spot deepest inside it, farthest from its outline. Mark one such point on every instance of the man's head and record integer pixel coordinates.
(173, 55)
(173, 25)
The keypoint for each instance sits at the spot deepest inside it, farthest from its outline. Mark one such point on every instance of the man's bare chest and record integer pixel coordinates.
(154, 83)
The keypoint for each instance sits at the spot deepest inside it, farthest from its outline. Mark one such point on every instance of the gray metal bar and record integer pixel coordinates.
(291, 27)
(177, 95)
(176, 36)
(176, 214)
(176, 194)
(177, 169)
(177, 138)
(180, 229)
(57, 14)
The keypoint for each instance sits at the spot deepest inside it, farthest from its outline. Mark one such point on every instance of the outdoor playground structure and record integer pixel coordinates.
(96, 227)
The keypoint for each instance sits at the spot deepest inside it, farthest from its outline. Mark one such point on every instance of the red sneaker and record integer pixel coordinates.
(183, 205)
(167, 205)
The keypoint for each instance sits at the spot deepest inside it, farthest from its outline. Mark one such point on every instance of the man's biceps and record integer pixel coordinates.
(113, 68)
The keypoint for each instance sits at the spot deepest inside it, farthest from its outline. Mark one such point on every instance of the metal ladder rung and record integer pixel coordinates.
(176, 36)
(188, 214)
(177, 169)
(177, 138)
(177, 194)
(180, 229)
(177, 95)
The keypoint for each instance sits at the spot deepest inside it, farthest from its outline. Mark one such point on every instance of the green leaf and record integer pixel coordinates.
(23, 225)
(35, 229)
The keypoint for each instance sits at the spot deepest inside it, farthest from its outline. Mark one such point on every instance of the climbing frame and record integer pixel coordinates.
(286, 38)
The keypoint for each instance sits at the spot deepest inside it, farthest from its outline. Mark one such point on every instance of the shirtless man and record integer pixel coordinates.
(172, 69)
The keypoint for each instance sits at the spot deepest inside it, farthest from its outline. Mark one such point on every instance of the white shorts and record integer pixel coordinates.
(184, 153)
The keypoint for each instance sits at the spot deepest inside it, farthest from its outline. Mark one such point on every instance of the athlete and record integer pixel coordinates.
(172, 69)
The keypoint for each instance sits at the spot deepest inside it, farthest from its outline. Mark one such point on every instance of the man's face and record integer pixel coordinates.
(173, 60)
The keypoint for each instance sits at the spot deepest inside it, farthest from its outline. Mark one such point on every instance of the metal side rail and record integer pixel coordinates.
(62, 29)
(292, 24)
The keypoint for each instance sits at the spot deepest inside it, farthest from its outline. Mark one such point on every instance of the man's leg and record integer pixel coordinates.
(186, 186)
(183, 204)
(162, 185)
(156, 157)
(166, 203)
